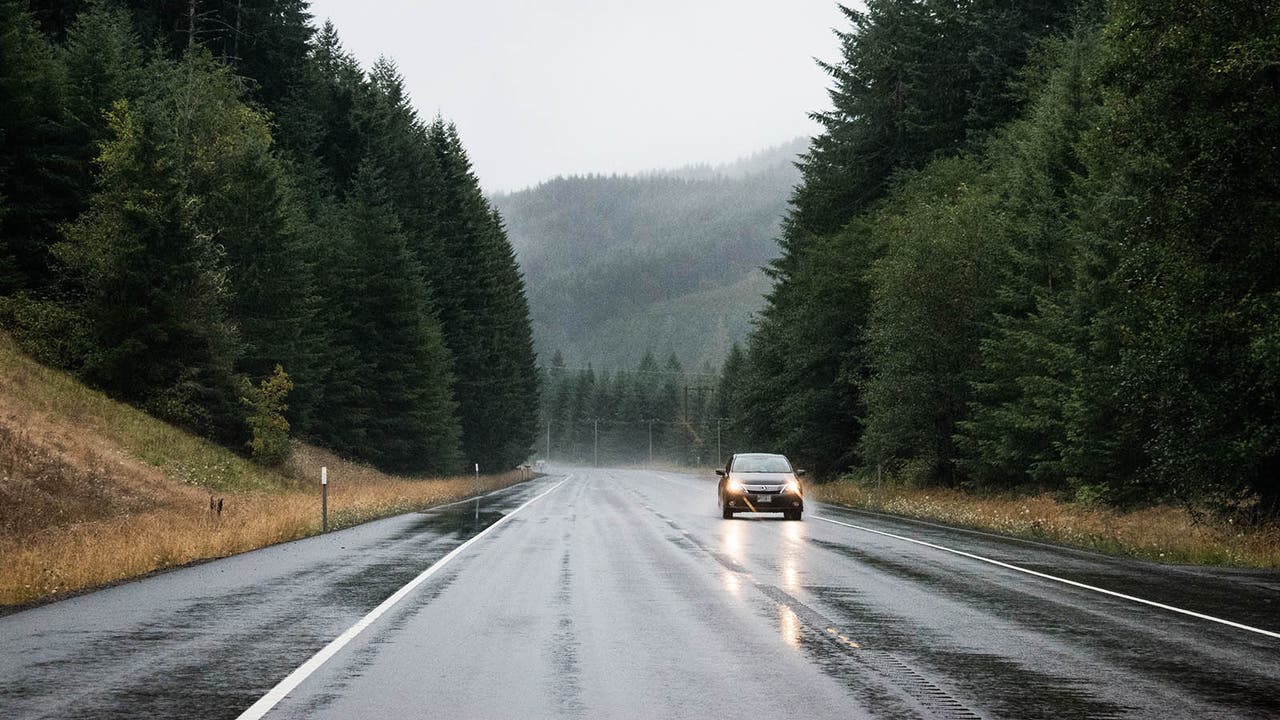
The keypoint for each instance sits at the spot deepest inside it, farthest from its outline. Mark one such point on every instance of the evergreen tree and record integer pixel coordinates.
(266, 41)
(933, 293)
(388, 393)
(38, 172)
(1185, 168)
(730, 410)
(915, 82)
(1024, 376)
(208, 252)
(480, 295)
(104, 64)
(155, 288)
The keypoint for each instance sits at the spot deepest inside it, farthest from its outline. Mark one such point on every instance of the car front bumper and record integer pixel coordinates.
(776, 502)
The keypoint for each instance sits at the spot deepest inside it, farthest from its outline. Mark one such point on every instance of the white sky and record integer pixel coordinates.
(561, 87)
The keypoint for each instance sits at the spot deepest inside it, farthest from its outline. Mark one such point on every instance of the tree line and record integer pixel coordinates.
(650, 413)
(1035, 246)
(210, 210)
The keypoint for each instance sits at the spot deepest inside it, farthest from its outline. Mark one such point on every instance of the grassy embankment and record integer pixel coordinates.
(1163, 533)
(93, 491)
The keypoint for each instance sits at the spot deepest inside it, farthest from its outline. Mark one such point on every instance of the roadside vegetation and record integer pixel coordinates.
(1034, 249)
(93, 491)
(1161, 533)
(216, 214)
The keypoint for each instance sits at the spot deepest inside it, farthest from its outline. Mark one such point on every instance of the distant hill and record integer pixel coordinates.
(665, 261)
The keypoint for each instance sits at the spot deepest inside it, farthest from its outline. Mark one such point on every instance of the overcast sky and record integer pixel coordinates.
(558, 87)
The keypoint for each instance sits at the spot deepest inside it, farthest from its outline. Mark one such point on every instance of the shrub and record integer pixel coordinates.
(266, 403)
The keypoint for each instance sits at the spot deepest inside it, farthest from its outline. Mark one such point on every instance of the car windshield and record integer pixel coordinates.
(761, 464)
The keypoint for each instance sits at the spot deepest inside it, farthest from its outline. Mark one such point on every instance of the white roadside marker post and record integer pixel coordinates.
(324, 499)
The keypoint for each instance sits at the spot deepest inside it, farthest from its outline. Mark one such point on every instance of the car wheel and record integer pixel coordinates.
(793, 514)
(726, 513)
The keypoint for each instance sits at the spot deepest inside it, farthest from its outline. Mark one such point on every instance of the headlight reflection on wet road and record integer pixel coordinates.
(731, 541)
(731, 582)
(789, 626)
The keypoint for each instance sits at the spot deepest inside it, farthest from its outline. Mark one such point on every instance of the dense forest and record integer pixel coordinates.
(1035, 246)
(649, 412)
(667, 262)
(210, 210)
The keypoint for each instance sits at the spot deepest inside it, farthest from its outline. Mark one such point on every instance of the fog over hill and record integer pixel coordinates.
(667, 261)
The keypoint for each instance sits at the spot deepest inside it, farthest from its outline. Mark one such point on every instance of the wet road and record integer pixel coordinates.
(621, 593)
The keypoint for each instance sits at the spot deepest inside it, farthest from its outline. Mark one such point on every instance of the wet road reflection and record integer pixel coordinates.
(789, 624)
(792, 556)
(616, 599)
(732, 582)
(731, 541)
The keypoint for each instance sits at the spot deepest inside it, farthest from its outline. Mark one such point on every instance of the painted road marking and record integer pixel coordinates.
(295, 678)
(1055, 578)
(1045, 576)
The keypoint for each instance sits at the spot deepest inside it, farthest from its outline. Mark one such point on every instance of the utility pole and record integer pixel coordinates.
(719, 455)
(650, 441)
(548, 441)
(595, 438)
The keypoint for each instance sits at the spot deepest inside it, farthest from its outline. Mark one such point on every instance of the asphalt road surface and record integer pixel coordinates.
(622, 593)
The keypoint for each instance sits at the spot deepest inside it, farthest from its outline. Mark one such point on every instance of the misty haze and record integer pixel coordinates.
(594, 359)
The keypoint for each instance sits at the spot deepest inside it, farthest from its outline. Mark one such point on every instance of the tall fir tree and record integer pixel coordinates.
(39, 175)
(480, 295)
(388, 397)
(155, 286)
(1185, 168)
(915, 82)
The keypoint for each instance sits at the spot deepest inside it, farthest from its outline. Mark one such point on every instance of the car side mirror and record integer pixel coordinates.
(720, 473)
(800, 473)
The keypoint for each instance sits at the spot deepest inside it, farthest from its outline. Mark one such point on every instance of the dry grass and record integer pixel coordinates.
(93, 491)
(93, 553)
(1164, 534)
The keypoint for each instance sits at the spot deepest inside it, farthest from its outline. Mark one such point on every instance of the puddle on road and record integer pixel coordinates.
(455, 519)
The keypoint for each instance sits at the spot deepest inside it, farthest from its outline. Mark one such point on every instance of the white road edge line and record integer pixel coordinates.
(295, 678)
(1055, 578)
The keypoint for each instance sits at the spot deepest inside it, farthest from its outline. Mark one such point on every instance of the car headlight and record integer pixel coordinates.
(793, 486)
(733, 485)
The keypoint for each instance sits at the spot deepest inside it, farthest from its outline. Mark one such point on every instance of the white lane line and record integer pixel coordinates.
(295, 678)
(1055, 578)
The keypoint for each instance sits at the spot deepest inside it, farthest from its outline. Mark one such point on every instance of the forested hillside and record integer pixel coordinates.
(210, 210)
(1035, 246)
(665, 262)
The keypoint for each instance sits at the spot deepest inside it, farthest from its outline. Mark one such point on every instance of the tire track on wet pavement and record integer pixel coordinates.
(899, 676)
(1025, 647)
